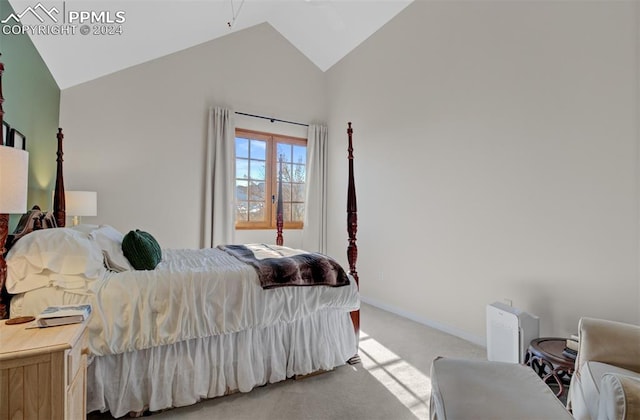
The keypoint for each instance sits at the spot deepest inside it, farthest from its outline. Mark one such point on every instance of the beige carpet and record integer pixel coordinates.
(392, 382)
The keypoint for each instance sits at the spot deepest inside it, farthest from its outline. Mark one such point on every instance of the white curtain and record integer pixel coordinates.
(314, 234)
(219, 217)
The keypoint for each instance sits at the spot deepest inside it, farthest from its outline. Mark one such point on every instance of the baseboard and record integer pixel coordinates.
(480, 341)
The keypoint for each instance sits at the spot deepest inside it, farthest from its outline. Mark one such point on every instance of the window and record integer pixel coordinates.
(259, 157)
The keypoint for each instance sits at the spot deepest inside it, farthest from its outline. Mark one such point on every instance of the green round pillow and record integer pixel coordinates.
(141, 249)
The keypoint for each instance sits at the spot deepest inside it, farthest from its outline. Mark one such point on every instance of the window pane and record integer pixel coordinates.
(242, 168)
(298, 173)
(285, 151)
(299, 154)
(258, 149)
(298, 192)
(256, 191)
(241, 210)
(298, 212)
(242, 188)
(286, 214)
(256, 212)
(258, 170)
(242, 147)
(286, 174)
(286, 192)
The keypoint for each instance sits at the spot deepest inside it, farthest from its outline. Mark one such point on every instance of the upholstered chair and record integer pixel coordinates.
(606, 381)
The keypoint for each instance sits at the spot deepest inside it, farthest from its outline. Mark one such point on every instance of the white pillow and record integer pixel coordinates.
(84, 228)
(69, 282)
(34, 257)
(109, 240)
(77, 283)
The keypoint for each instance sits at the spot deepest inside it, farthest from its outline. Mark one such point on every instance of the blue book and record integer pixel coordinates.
(63, 315)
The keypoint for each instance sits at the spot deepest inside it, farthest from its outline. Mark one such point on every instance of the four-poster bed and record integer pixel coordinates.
(198, 326)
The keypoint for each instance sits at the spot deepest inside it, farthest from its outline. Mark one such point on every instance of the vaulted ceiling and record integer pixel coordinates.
(323, 30)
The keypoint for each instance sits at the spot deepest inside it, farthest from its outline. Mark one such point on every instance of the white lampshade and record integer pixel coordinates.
(14, 175)
(81, 203)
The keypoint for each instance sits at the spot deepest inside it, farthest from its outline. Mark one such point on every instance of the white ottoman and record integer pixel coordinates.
(473, 389)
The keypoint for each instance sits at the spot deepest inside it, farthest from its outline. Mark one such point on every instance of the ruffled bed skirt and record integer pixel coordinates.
(186, 372)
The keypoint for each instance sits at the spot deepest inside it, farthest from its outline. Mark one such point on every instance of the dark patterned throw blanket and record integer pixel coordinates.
(280, 266)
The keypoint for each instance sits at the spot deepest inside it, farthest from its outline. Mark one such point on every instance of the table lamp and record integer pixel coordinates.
(81, 203)
(14, 174)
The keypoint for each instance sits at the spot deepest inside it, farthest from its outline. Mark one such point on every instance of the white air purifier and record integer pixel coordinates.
(509, 332)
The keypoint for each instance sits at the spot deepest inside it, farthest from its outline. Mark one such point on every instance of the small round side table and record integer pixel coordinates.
(545, 357)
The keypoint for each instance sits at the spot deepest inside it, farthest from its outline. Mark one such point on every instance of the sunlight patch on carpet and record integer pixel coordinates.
(410, 386)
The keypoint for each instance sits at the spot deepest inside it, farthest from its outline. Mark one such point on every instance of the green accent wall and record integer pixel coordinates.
(32, 106)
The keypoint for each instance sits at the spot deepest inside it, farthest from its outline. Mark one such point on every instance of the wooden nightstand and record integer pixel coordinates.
(43, 372)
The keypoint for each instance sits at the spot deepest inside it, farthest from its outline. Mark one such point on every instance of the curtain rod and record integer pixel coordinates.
(271, 119)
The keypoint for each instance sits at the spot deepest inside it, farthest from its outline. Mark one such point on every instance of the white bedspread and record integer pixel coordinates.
(194, 294)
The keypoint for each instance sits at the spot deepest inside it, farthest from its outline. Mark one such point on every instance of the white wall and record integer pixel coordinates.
(137, 137)
(496, 153)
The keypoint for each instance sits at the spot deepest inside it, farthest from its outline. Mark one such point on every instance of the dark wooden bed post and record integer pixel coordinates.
(279, 208)
(59, 211)
(4, 219)
(352, 227)
(1, 109)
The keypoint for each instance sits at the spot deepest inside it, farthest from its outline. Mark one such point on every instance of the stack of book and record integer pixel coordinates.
(571, 348)
(63, 315)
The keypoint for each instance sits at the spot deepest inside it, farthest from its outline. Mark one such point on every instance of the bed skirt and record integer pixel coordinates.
(186, 372)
